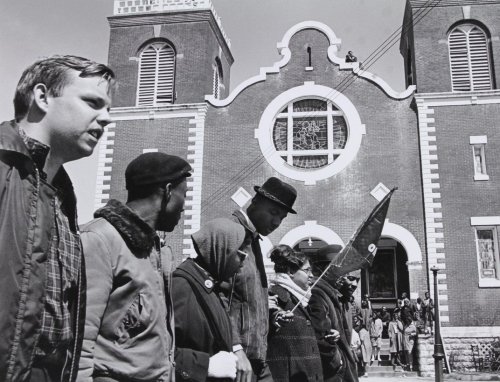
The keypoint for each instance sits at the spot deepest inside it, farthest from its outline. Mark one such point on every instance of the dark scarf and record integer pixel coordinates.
(138, 235)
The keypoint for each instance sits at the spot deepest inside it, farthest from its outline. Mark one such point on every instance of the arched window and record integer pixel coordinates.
(218, 78)
(469, 58)
(156, 75)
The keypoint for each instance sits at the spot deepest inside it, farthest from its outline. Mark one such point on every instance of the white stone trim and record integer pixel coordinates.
(478, 97)
(471, 331)
(407, 240)
(104, 162)
(311, 228)
(284, 51)
(432, 197)
(484, 220)
(478, 139)
(159, 112)
(379, 191)
(310, 90)
(241, 197)
(192, 212)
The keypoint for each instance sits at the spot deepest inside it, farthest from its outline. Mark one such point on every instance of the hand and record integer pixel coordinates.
(243, 366)
(332, 337)
(282, 317)
(273, 302)
(222, 365)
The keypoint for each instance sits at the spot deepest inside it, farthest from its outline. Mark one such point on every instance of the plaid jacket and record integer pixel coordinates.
(26, 225)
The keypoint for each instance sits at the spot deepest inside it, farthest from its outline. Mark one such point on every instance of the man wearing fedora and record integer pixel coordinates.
(249, 308)
(129, 323)
(330, 309)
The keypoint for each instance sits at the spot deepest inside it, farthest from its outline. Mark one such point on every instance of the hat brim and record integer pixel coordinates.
(266, 194)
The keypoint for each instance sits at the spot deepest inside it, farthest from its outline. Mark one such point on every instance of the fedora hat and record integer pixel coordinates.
(279, 192)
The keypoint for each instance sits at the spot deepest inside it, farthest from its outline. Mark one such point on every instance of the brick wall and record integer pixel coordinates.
(194, 40)
(388, 154)
(131, 137)
(462, 197)
(430, 30)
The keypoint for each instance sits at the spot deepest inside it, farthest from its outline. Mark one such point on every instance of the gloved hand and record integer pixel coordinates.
(222, 365)
(282, 317)
(333, 336)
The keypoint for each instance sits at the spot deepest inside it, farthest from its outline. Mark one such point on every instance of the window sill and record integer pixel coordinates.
(481, 177)
(489, 283)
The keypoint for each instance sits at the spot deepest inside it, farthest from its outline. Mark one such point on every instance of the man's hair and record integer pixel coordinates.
(52, 72)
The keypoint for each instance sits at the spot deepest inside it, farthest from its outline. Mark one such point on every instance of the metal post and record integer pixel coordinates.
(438, 344)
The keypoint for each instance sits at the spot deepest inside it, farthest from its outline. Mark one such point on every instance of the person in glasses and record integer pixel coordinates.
(203, 332)
(292, 352)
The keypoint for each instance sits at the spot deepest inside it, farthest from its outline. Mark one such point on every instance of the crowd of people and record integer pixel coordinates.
(400, 327)
(104, 302)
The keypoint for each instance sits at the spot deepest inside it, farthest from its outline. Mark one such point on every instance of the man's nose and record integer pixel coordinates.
(104, 118)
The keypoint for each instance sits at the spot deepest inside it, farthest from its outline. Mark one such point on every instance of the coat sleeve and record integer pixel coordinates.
(99, 285)
(330, 355)
(190, 364)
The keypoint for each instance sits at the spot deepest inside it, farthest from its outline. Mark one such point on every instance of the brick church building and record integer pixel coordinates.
(339, 134)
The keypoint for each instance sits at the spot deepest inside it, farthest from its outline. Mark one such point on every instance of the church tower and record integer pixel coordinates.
(167, 55)
(168, 52)
(452, 54)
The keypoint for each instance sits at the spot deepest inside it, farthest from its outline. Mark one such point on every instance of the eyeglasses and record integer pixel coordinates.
(243, 255)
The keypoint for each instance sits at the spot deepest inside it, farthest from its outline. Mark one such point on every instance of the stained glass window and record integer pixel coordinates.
(310, 134)
(488, 252)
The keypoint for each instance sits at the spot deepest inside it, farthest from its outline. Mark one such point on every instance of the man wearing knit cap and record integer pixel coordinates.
(129, 323)
(249, 308)
(330, 310)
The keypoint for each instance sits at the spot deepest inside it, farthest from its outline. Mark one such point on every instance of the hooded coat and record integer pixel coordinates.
(202, 324)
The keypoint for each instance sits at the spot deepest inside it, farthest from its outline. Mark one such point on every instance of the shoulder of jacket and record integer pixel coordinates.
(282, 293)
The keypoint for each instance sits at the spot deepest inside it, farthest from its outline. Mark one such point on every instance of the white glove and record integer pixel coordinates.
(222, 365)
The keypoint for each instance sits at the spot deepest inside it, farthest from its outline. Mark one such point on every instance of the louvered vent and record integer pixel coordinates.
(156, 75)
(469, 59)
(216, 83)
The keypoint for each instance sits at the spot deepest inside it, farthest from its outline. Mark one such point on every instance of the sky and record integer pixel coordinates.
(32, 29)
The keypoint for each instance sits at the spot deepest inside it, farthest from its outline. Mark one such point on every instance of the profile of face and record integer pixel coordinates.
(76, 118)
(234, 263)
(266, 215)
(303, 276)
(172, 206)
(348, 284)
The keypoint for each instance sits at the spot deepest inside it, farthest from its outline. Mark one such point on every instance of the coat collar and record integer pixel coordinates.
(244, 220)
(200, 275)
(138, 235)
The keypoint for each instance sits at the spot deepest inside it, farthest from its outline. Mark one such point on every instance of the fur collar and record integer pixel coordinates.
(139, 236)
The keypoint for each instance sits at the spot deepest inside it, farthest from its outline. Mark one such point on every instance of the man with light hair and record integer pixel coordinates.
(61, 108)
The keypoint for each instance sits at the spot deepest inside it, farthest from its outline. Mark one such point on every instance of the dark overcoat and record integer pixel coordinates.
(194, 339)
(292, 350)
(328, 312)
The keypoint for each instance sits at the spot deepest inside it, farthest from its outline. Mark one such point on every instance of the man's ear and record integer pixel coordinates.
(168, 191)
(40, 95)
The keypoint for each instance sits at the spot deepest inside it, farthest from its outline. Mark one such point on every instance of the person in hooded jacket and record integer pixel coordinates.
(203, 331)
(292, 349)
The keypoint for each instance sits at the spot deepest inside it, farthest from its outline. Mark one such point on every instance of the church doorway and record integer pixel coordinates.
(388, 276)
(309, 246)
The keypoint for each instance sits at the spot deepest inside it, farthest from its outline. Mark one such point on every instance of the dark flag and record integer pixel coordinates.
(361, 248)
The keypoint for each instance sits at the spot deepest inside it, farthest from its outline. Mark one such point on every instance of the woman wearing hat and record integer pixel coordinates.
(202, 326)
(292, 352)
